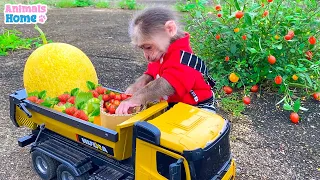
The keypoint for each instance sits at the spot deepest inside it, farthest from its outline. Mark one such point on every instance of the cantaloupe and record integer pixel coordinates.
(57, 68)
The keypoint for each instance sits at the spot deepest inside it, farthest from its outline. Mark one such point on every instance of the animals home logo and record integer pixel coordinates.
(25, 14)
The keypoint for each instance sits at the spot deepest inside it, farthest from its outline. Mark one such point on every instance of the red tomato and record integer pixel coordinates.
(124, 96)
(312, 40)
(112, 95)
(265, 13)
(116, 102)
(219, 15)
(112, 101)
(227, 58)
(101, 90)
(294, 117)
(105, 97)
(218, 36)
(33, 99)
(270, 1)
(271, 59)
(117, 97)
(316, 96)
(112, 109)
(254, 88)
(309, 55)
(218, 7)
(239, 14)
(291, 33)
(278, 79)
(287, 37)
(244, 37)
(246, 100)
(227, 89)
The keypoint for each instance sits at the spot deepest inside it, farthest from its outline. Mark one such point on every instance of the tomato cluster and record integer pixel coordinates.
(112, 100)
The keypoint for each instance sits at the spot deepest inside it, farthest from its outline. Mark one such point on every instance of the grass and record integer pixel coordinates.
(232, 105)
(102, 4)
(11, 40)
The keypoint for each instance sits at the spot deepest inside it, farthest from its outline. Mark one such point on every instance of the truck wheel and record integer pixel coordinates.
(44, 165)
(65, 173)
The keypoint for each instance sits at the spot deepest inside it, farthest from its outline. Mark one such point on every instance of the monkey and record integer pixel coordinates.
(173, 72)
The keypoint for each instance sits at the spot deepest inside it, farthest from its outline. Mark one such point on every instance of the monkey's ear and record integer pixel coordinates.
(171, 28)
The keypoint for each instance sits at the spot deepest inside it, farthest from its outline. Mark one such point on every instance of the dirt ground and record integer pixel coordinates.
(264, 143)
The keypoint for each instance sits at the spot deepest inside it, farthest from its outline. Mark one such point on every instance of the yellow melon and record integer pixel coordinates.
(57, 68)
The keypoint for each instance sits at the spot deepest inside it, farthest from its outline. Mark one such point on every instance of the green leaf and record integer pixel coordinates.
(47, 104)
(74, 91)
(35, 93)
(91, 85)
(82, 98)
(233, 48)
(252, 50)
(237, 5)
(292, 50)
(287, 107)
(96, 112)
(296, 105)
(279, 46)
(247, 19)
(42, 94)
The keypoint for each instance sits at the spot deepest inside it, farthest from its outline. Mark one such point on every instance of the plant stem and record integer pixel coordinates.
(42, 35)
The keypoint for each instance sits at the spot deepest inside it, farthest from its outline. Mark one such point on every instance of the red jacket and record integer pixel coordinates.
(182, 77)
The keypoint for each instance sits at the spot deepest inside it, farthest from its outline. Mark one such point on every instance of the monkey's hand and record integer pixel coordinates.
(139, 84)
(126, 104)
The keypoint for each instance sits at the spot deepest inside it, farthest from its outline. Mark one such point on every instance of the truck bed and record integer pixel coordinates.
(114, 143)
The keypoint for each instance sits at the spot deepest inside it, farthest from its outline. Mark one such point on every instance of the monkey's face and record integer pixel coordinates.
(156, 47)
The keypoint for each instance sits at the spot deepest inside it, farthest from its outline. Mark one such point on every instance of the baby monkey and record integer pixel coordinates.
(173, 73)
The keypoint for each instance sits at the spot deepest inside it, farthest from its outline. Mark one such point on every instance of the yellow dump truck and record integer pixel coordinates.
(180, 143)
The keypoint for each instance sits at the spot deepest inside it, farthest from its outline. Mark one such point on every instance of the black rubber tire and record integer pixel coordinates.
(48, 171)
(65, 169)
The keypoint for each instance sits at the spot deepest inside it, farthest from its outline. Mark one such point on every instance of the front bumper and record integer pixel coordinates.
(230, 172)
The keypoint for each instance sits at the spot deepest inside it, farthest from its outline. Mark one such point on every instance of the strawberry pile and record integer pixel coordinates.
(112, 100)
(82, 105)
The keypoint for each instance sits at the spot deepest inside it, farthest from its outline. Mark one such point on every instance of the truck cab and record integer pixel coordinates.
(180, 143)
(185, 142)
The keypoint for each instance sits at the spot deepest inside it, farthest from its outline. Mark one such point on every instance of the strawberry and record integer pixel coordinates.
(64, 97)
(33, 99)
(61, 103)
(39, 101)
(101, 90)
(71, 110)
(94, 93)
(71, 99)
(81, 115)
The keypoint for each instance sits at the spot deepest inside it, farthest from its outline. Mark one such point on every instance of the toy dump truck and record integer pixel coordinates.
(180, 143)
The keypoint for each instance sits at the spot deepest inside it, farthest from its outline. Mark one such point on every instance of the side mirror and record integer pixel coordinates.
(175, 170)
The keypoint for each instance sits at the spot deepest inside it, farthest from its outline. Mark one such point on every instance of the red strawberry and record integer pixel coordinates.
(33, 99)
(61, 103)
(64, 97)
(81, 115)
(101, 90)
(94, 93)
(71, 99)
(71, 110)
(39, 101)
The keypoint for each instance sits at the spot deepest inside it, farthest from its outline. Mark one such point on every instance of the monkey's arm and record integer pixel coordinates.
(154, 91)
(139, 83)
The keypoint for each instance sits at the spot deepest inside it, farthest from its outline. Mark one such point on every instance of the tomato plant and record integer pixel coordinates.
(280, 41)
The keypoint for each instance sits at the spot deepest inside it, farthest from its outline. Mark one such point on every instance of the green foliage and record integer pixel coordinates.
(264, 36)
(66, 4)
(11, 40)
(102, 4)
(83, 3)
(233, 105)
(128, 4)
